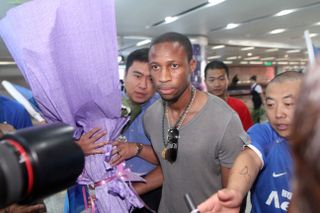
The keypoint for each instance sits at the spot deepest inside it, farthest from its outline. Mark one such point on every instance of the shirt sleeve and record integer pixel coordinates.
(258, 89)
(232, 142)
(259, 136)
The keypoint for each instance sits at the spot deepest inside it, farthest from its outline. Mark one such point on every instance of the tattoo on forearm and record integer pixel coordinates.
(245, 173)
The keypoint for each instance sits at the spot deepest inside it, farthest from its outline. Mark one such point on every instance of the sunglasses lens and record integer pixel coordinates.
(171, 155)
(172, 149)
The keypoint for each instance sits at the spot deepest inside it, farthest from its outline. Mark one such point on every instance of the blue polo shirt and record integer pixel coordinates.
(272, 191)
(13, 113)
(135, 133)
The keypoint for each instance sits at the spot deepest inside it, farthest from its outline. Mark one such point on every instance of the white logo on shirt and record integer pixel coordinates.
(275, 175)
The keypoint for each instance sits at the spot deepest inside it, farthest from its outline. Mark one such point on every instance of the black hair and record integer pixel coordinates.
(286, 76)
(216, 64)
(140, 55)
(254, 78)
(175, 37)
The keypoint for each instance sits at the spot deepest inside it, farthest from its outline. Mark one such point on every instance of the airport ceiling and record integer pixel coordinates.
(251, 42)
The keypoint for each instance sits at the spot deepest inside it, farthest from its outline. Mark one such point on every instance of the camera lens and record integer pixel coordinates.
(37, 162)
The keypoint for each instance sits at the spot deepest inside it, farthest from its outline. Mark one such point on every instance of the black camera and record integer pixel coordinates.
(37, 162)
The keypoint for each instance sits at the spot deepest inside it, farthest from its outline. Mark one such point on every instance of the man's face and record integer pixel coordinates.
(280, 104)
(217, 82)
(138, 83)
(170, 69)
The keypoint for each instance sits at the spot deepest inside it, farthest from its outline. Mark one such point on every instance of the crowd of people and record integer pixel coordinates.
(207, 144)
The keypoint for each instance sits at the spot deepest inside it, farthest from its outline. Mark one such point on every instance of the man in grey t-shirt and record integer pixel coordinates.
(196, 136)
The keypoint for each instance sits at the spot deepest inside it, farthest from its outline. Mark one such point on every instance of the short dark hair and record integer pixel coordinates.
(254, 78)
(216, 64)
(175, 37)
(140, 55)
(286, 76)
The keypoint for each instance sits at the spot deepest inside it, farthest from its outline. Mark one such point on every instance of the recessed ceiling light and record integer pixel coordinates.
(227, 62)
(214, 57)
(232, 26)
(218, 47)
(285, 12)
(244, 62)
(277, 31)
(214, 2)
(293, 51)
(170, 19)
(272, 50)
(249, 54)
(247, 48)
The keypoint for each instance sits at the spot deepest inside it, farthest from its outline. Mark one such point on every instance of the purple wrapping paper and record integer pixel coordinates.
(67, 51)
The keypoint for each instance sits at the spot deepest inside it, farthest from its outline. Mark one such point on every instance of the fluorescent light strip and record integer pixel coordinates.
(232, 58)
(247, 48)
(252, 58)
(272, 50)
(313, 35)
(218, 47)
(7, 63)
(255, 62)
(294, 63)
(170, 19)
(214, 2)
(228, 62)
(232, 26)
(285, 12)
(244, 62)
(293, 51)
(318, 23)
(267, 59)
(282, 62)
(214, 57)
(144, 42)
(277, 31)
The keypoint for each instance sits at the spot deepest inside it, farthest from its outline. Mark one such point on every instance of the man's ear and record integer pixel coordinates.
(193, 65)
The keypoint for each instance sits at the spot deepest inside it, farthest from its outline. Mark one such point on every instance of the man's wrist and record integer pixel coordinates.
(139, 147)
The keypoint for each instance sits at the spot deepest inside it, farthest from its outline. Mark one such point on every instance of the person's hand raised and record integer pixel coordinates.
(88, 144)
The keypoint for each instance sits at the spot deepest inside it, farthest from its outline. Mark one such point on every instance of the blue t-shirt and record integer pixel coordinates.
(135, 133)
(14, 113)
(271, 192)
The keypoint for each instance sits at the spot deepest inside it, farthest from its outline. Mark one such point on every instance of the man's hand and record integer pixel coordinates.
(225, 200)
(122, 151)
(88, 143)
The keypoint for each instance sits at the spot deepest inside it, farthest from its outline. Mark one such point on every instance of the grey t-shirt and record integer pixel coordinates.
(212, 138)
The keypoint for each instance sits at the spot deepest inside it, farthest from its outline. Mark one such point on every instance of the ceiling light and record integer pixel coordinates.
(244, 62)
(294, 63)
(214, 57)
(7, 62)
(232, 58)
(267, 58)
(293, 51)
(311, 35)
(277, 31)
(286, 56)
(227, 62)
(170, 19)
(144, 42)
(214, 2)
(247, 48)
(282, 62)
(285, 12)
(255, 62)
(272, 50)
(218, 47)
(318, 23)
(252, 58)
(232, 26)
(249, 54)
